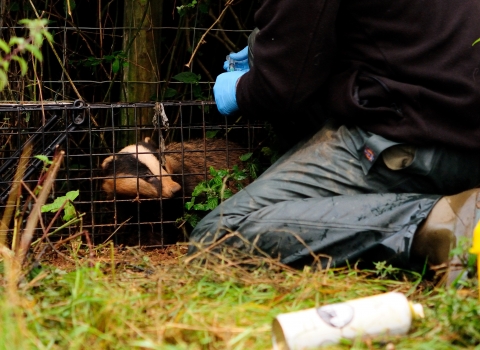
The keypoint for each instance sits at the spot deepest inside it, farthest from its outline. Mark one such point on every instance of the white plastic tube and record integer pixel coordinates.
(384, 314)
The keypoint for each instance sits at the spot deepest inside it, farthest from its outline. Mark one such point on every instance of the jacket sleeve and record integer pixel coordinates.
(293, 53)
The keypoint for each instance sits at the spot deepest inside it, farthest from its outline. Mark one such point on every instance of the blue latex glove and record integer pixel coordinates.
(225, 91)
(237, 61)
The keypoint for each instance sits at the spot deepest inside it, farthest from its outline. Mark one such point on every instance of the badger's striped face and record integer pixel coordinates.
(136, 171)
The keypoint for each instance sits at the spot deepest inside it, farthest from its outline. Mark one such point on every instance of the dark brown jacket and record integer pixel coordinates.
(404, 69)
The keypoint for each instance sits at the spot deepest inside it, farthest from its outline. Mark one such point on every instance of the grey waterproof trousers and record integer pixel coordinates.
(344, 193)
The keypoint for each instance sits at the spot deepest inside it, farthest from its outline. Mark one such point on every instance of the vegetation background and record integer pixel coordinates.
(127, 50)
(105, 297)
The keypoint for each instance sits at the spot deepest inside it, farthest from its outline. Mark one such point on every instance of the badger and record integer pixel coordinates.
(136, 171)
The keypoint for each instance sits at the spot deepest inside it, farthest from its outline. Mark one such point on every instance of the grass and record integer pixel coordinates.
(143, 301)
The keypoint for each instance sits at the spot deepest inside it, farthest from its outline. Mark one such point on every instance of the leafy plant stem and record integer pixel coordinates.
(58, 57)
(32, 220)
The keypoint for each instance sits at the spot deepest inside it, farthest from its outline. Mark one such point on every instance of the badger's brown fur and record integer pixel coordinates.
(191, 161)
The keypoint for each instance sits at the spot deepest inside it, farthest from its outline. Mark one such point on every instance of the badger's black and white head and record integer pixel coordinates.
(136, 171)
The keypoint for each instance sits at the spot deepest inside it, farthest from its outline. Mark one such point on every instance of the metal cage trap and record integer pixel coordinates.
(97, 137)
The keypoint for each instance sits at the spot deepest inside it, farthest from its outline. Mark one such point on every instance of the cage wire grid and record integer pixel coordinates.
(90, 131)
(73, 127)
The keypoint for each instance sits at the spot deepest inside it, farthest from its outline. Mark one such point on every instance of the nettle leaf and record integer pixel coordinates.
(187, 77)
(190, 204)
(227, 194)
(213, 172)
(193, 220)
(223, 173)
(199, 189)
(212, 203)
(200, 206)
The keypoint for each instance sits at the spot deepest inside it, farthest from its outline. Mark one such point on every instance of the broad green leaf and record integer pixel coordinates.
(58, 202)
(44, 159)
(187, 77)
(47, 35)
(116, 65)
(4, 46)
(211, 134)
(35, 51)
(4, 65)
(169, 93)
(246, 156)
(72, 195)
(3, 79)
(22, 63)
(69, 212)
(16, 41)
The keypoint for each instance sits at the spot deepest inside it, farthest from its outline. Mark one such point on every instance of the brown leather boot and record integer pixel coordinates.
(451, 217)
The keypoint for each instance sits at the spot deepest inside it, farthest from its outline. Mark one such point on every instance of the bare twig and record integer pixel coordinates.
(8, 213)
(91, 255)
(201, 41)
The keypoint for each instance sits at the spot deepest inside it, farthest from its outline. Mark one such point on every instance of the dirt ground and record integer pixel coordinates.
(122, 255)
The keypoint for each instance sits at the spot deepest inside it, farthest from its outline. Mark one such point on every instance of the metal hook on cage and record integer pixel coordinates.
(78, 119)
(78, 104)
(159, 112)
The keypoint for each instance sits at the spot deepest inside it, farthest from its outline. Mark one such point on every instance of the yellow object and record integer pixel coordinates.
(476, 250)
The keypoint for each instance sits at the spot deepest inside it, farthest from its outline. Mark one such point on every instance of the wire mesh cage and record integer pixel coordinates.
(108, 162)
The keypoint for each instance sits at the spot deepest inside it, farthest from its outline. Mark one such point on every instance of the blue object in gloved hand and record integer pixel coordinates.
(237, 61)
(225, 91)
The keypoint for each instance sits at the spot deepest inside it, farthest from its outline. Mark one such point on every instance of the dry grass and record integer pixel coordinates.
(155, 300)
